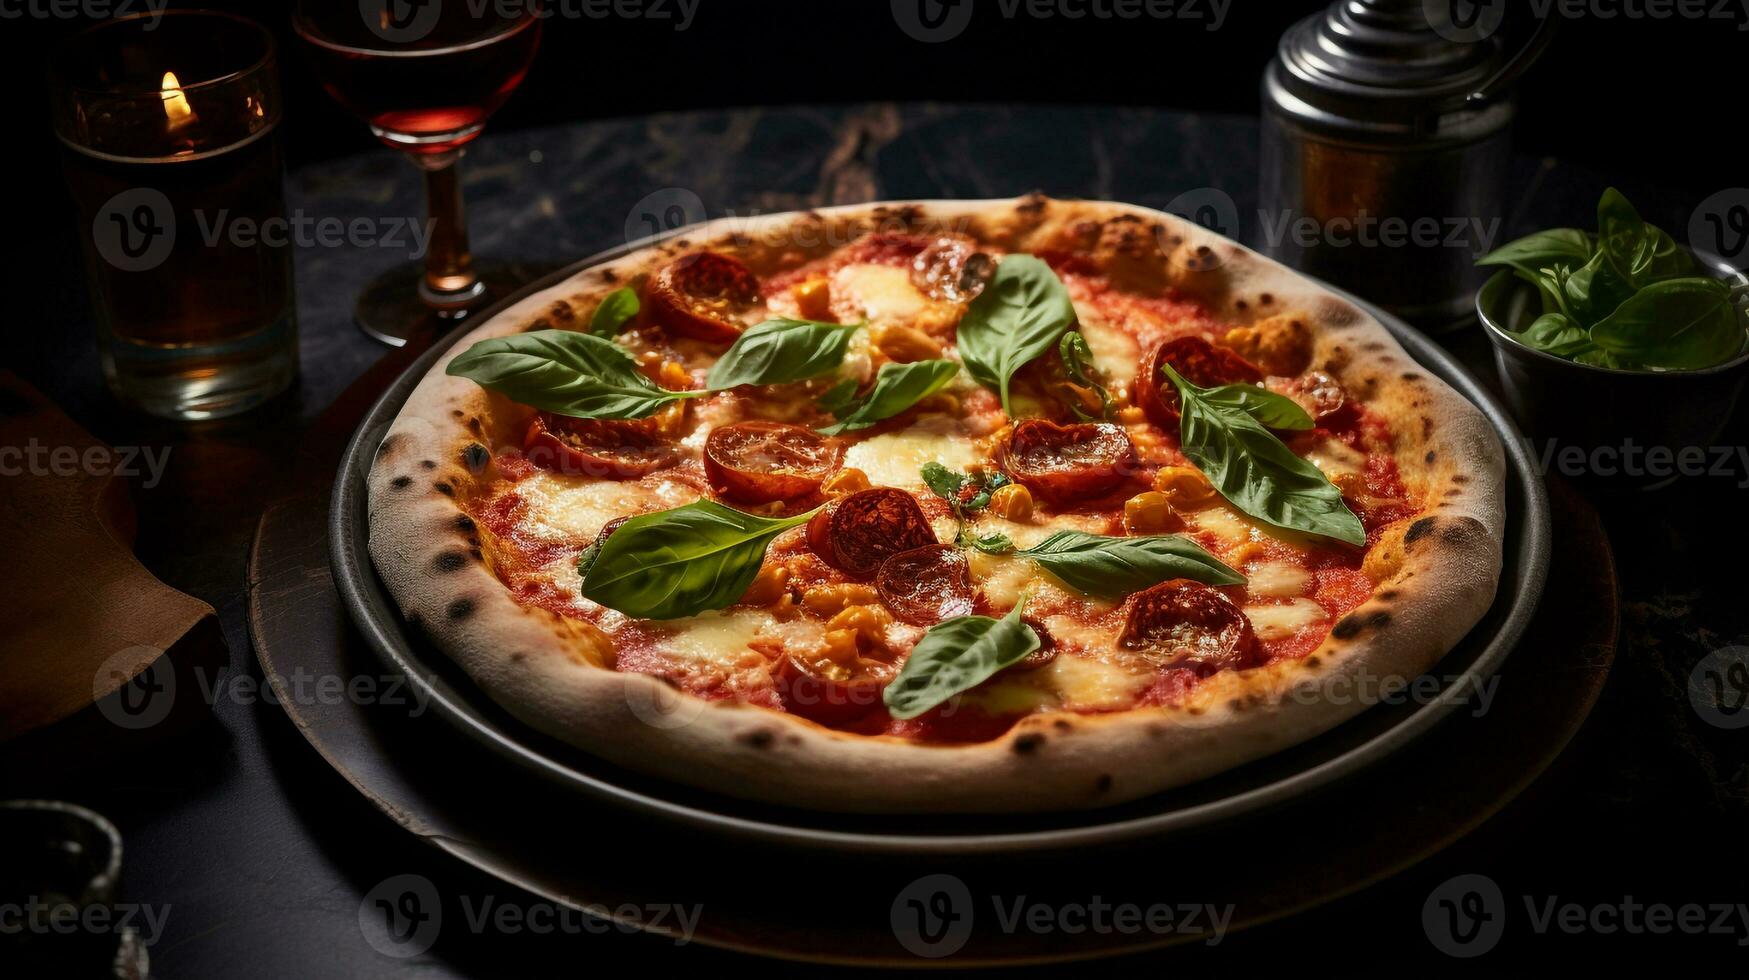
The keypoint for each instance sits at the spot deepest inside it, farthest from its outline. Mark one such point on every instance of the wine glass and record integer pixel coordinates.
(425, 75)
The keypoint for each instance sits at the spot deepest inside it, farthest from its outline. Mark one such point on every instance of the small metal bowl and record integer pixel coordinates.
(1605, 427)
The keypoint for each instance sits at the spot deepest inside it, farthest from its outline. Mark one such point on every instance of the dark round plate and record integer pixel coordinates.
(1376, 733)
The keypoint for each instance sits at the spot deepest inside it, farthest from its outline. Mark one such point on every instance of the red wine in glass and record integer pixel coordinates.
(425, 75)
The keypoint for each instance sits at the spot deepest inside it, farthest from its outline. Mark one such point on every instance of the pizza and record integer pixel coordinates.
(944, 506)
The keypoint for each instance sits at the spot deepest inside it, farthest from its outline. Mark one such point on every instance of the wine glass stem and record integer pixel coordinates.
(450, 284)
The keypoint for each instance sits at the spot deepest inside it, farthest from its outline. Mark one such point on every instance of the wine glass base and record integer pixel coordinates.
(392, 310)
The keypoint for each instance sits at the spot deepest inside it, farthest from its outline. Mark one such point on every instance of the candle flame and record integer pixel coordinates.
(176, 107)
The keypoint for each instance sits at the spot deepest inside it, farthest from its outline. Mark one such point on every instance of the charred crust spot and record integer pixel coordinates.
(450, 561)
(1241, 305)
(1453, 492)
(608, 275)
(1411, 376)
(1372, 347)
(1033, 203)
(1454, 533)
(428, 464)
(465, 524)
(443, 488)
(459, 610)
(538, 323)
(759, 738)
(1389, 594)
(1418, 530)
(1312, 662)
(1353, 624)
(1430, 457)
(388, 445)
(1103, 783)
(1460, 478)
(1235, 705)
(476, 554)
(518, 656)
(475, 457)
(1028, 743)
(562, 312)
(475, 427)
(1064, 725)
(456, 413)
(401, 482)
(1265, 299)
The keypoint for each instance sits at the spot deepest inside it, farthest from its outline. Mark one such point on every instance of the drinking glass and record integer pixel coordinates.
(425, 76)
(168, 127)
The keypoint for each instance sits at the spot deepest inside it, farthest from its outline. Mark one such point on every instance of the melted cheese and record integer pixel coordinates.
(1280, 622)
(1114, 351)
(566, 508)
(1002, 578)
(1082, 683)
(883, 292)
(1228, 528)
(895, 459)
(1278, 579)
(1336, 458)
(718, 638)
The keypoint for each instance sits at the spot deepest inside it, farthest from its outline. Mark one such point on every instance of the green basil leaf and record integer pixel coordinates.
(1594, 290)
(1640, 253)
(839, 397)
(1598, 357)
(780, 351)
(1267, 407)
(616, 310)
(1078, 365)
(566, 373)
(994, 543)
(1545, 249)
(1676, 324)
(943, 482)
(956, 656)
(1111, 568)
(1556, 334)
(896, 388)
(684, 561)
(1251, 468)
(1020, 315)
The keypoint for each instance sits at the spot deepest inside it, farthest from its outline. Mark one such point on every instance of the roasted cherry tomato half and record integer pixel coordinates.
(703, 296)
(856, 533)
(1198, 362)
(1322, 396)
(830, 692)
(952, 269)
(1066, 463)
(1181, 623)
(926, 585)
(613, 449)
(758, 462)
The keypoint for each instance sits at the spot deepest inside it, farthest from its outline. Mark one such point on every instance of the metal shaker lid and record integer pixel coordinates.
(1397, 69)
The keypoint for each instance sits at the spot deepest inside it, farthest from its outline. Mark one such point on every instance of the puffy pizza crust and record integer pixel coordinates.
(1436, 575)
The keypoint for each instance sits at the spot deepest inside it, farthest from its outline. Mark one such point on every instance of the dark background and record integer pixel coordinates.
(1640, 100)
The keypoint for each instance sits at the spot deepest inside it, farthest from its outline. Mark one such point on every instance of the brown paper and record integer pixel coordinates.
(82, 615)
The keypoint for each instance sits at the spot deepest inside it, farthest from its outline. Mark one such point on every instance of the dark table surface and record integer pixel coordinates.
(259, 855)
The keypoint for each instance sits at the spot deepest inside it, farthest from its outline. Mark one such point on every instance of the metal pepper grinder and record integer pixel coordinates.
(1385, 147)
